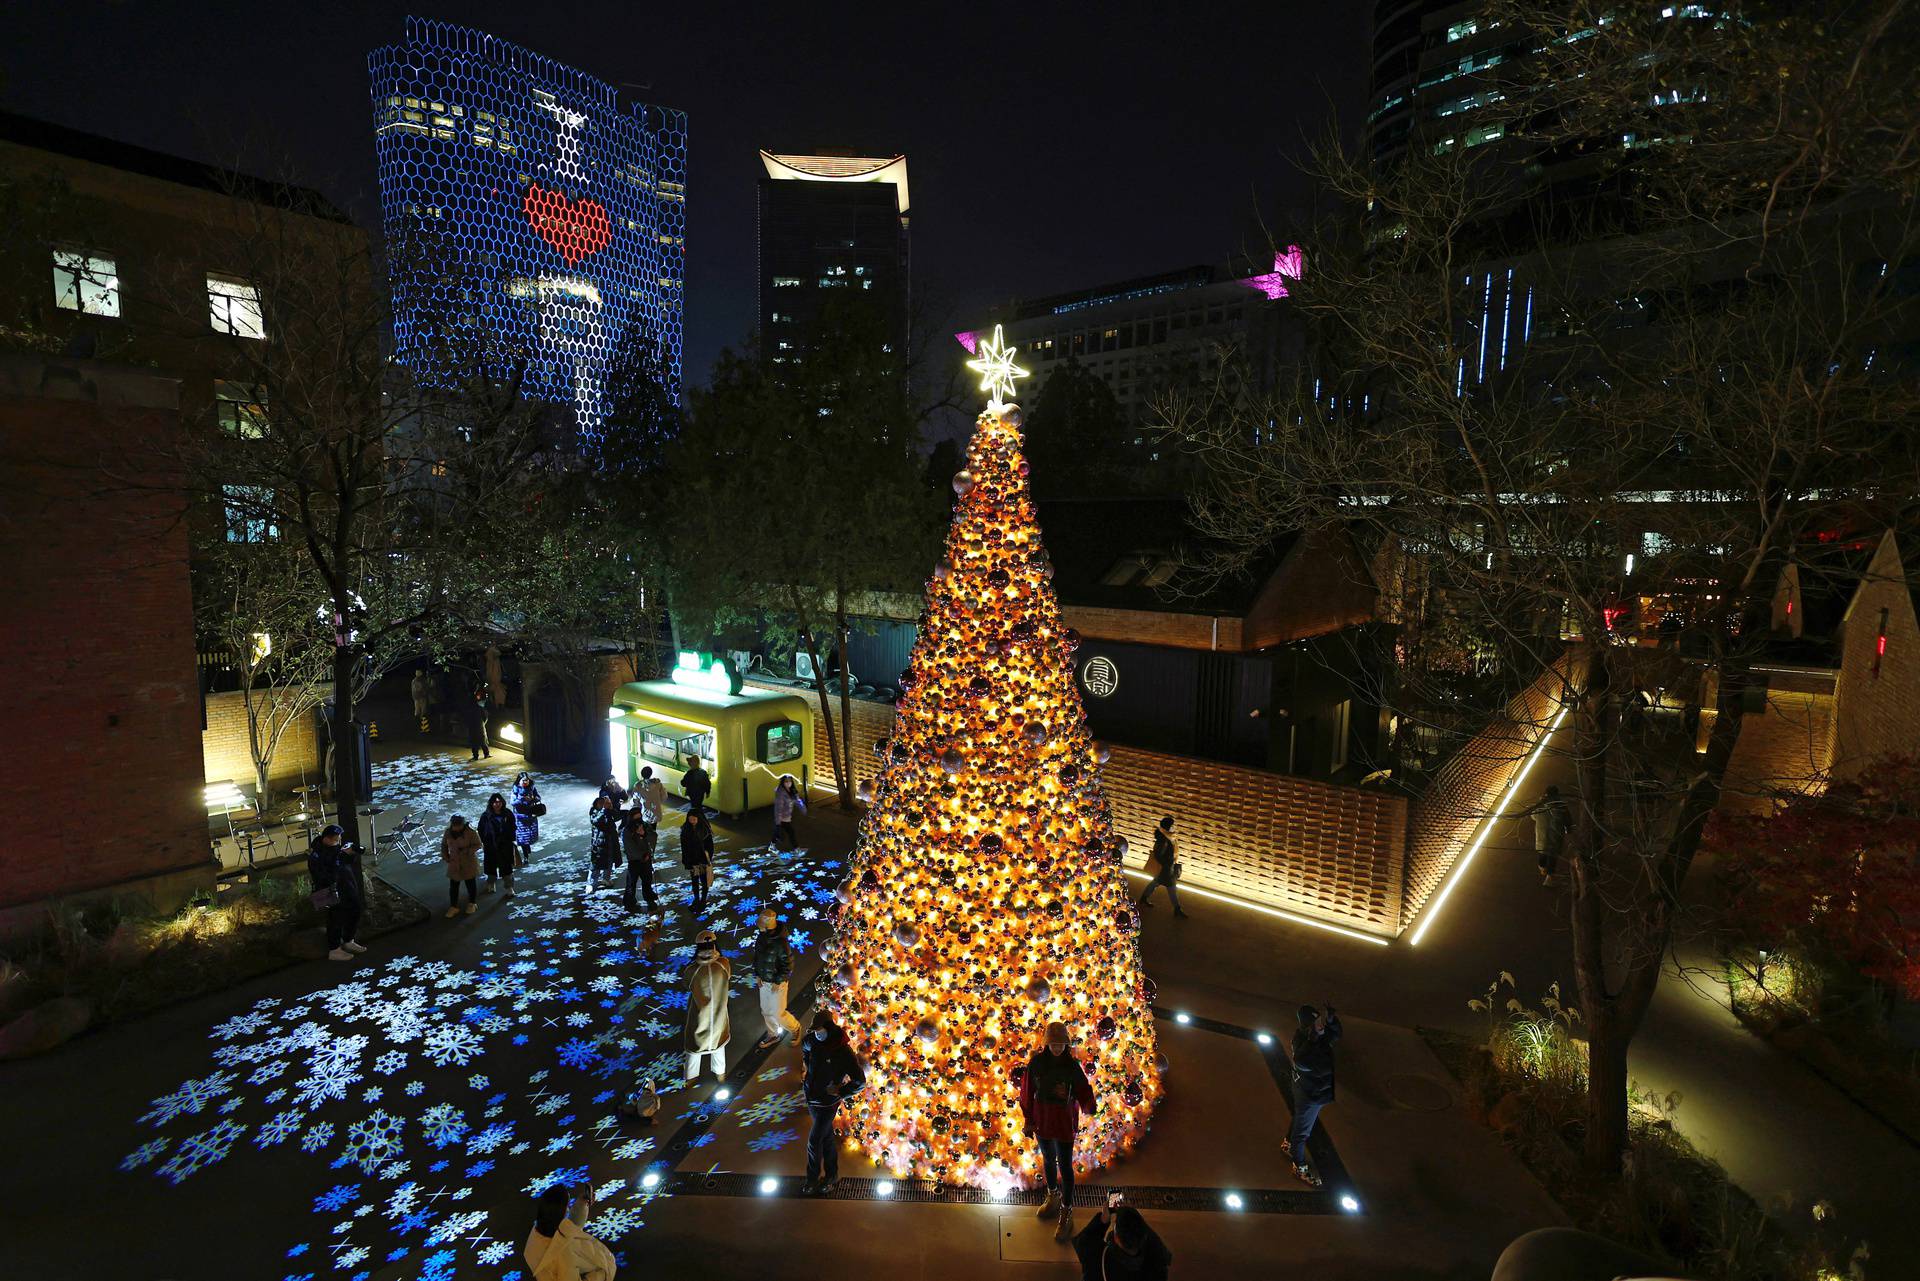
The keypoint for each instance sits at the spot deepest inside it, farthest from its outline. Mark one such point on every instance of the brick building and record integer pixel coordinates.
(119, 257)
(97, 644)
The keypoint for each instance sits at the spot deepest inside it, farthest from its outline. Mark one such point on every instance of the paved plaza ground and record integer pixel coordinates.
(391, 1118)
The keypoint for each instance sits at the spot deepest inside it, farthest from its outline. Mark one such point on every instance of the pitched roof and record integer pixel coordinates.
(44, 135)
(1125, 553)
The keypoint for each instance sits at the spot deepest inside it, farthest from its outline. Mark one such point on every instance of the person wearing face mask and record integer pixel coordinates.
(708, 1025)
(1054, 1091)
(772, 967)
(1121, 1246)
(460, 851)
(830, 1072)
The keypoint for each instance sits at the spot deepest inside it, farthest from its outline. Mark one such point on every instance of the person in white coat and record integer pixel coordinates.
(787, 798)
(559, 1248)
(708, 1026)
(650, 797)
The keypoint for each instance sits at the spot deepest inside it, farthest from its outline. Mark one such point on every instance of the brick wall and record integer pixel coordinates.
(1878, 714)
(96, 643)
(1467, 787)
(1183, 631)
(1314, 848)
(226, 754)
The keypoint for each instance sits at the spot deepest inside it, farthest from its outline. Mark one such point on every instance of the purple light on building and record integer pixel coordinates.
(1290, 265)
(970, 340)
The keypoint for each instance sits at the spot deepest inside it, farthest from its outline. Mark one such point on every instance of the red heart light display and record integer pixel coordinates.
(576, 229)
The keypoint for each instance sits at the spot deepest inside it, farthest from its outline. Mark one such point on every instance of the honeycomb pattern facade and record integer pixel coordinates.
(567, 208)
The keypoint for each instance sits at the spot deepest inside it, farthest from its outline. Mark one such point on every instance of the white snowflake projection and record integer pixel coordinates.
(443, 1125)
(559, 1003)
(282, 1127)
(452, 1044)
(201, 1150)
(191, 1097)
(372, 1140)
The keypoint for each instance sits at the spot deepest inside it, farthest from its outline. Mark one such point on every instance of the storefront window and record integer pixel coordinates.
(779, 742)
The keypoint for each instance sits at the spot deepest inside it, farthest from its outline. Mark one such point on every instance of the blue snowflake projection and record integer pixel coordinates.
(479, 1064)
(564, 209)
(772, 1108)
(771, 1140)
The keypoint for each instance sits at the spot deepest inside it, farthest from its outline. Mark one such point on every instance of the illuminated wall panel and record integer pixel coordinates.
(567, 207)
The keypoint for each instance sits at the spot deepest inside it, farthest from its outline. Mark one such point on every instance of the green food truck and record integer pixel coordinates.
(746, 739)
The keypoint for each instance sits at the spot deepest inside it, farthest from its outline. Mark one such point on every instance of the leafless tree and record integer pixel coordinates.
(1692, 213)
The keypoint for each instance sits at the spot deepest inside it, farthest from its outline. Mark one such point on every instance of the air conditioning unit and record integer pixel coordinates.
(803, 664)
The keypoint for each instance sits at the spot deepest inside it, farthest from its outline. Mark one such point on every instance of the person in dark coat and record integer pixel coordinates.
(1122, 1248)
(772, 967)
(615, 793)
(478, 704)
(830, 1071)
(639, 838)
(1163, 865)
(603, 845)
(696, 855)
(1312, 1082)
(1054, 1091)
(1551, 819)
(496, 843)
(527, 809)
(695, 785)
(331, 865)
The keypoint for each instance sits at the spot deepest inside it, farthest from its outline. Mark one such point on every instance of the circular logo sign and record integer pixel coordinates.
(1100, 676)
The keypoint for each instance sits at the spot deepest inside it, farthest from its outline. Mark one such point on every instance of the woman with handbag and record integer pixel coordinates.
(460, 851)
(336, 891)
(696, 855)
(527, 809)
(1163, 865)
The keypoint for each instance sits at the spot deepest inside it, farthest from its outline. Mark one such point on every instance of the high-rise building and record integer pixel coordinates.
(567, 205)
(830, 222)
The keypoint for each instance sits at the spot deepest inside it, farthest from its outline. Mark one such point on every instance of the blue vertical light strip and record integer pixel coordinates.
(563, 210)
(1486, 314)
(1526, 326)
(1506, 318)
(1460, 378)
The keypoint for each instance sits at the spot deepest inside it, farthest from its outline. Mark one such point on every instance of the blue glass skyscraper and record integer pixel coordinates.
(564, 210)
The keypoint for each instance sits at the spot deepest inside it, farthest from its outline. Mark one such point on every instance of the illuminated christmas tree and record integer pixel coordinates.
(985, 897)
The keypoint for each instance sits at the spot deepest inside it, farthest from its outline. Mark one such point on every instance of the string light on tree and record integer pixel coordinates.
(985, 896)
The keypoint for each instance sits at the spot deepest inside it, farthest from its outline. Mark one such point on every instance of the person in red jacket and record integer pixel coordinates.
(1054, 1091)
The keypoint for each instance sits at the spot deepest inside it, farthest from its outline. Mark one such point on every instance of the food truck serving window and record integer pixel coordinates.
(779, 742)
(672, 746)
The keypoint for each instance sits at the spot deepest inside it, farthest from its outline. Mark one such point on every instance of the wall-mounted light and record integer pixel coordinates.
(512, 733)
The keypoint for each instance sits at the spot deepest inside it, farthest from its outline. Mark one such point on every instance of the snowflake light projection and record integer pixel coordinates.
(568, 206)
(492, 1071)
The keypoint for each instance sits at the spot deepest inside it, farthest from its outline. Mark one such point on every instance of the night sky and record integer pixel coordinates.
(1050, 146)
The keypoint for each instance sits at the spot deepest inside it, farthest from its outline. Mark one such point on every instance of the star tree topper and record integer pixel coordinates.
(997, 371)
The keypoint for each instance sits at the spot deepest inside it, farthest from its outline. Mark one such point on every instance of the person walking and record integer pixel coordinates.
(1164, 866)
(335, 874)
(786, 799)
(830, 1072)
(772, 967)
(650, 797)
(1312, 1083)
(1551, 819)
(496, 843)
(603, 844)
(460, 851)
(639, 839)
(1121, 1248)
(708, 1026)
(559, 1248)
(478, 705)
(1054, 1091)
(696, 855)
(694, 785)
(421, 693)
(528, 809)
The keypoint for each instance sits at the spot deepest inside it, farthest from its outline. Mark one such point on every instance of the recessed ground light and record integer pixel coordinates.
(1348, 1204)
(1233, 1201)
(651, 1179)
(1182, 1018)
(1264, 1039)
(769, 1186)
(723, 1094)
(883, 1188)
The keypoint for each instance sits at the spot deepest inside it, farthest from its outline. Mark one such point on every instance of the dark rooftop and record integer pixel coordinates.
(44, 135)
(1125, 553)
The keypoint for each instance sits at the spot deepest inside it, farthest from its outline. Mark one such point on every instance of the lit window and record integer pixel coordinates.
(786, 282)
(241, 409)
(1443, 146)
(1461, 30)
(249, 514)
(1485, 133)
(86, 283)
(234, 307)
